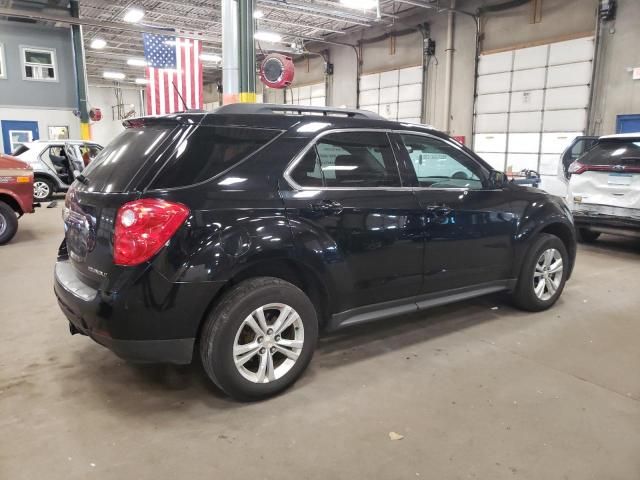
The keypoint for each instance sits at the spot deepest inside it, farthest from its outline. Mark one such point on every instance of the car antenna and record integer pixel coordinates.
(186, 109)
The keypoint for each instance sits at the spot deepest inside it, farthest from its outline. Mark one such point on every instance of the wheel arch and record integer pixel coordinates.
(12, 202)
(47, 176)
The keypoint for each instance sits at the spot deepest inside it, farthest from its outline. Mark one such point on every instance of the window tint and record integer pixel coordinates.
(350, 159)
(440, 165)
(208, 152)
(613, 152)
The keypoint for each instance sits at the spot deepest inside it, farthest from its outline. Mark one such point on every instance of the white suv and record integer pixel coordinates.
(604, 188)
(54, 163)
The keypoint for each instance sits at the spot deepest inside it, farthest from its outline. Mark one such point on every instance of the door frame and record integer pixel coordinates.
(10, 125)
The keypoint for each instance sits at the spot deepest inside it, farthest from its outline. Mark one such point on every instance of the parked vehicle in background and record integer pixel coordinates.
(54, 163)
(242, 233)
(604, 188)
(559, 184)
(16, 195)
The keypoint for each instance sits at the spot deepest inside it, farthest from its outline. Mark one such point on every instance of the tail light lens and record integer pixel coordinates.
(143, 227)
(576, 168)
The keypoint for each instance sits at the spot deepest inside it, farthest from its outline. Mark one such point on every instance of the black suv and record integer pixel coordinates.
(244, 232)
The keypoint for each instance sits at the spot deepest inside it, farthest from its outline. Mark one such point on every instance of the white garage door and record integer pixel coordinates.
(531, 103)
(311, 95)
(394, 94)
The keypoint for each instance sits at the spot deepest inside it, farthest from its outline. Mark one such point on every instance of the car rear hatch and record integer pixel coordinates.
(115, 177)
(607, 176)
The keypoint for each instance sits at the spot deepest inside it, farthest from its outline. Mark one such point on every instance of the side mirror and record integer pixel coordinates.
(497, 179)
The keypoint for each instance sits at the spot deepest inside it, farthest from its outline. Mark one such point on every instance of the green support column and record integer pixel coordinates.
(81, 77)
(247, 51)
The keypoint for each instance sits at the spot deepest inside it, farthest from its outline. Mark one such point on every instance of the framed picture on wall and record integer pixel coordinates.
(58, 133)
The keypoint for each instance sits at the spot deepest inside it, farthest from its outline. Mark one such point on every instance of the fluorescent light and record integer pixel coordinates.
(359, 4)
(133, 15)
(142, 81)
(137, 62)
(267, 36)
(210, 57)
(114, 75)
(258, 14)
(98, 43)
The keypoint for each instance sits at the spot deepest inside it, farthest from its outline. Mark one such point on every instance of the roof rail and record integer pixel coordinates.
(271, 108)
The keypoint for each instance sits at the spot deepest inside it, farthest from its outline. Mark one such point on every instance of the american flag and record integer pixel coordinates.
(172, 60)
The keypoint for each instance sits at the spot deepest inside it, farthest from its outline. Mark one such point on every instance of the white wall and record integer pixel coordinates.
(104, 98)
(45, 118)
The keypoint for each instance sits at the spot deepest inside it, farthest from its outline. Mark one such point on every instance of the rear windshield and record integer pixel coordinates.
(210, 150)
(116, 165)
(613, 152)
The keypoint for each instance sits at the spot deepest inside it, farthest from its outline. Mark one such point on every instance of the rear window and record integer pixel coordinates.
(116, 165)
(209, 151)
(20, 150)
(613, 152)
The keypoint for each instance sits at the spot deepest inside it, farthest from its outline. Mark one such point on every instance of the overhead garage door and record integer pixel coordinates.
(531, 103)
(310, 95)
(394, 94)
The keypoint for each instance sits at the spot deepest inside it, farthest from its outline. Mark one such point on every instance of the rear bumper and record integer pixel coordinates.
(150, 320)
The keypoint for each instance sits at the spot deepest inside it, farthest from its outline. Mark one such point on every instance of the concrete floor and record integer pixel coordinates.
(476, 392)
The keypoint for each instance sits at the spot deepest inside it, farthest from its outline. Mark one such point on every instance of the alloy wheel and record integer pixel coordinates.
(547, 275)
(40, 190)
(3, 224)
(268, 343)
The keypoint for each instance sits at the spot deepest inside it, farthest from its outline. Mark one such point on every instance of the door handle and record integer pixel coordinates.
(439, 211)
(327, 206)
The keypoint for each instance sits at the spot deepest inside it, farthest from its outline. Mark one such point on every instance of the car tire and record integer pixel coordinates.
(587, 236)
(541, 265)
(241, 352)
(8, 223)
(42, 189)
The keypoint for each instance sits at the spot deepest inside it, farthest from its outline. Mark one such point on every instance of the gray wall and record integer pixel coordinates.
(14, 91)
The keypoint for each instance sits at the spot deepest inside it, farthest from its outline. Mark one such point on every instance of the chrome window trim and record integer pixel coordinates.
(293, 163)
(451, 144)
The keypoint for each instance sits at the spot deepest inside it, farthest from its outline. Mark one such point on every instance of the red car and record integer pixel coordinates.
(16, 195)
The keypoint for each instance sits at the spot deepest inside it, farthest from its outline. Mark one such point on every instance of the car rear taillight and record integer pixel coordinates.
(143, 227)
(576, 168)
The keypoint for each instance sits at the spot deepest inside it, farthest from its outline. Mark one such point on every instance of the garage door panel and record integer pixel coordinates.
(516, 162)
(559, 120)
(410, 75)
(532, 79)
(532, 57)
(410, 92)
(524, 122)
(318, 90)
(571, 74)
(304, 92)
(557, 142)
(389, 95)
(523, 142)
(389, 79)
(389, 110)
(495, 63)
(370, 108)
(494, 83)
(567, 98)
(318, 102)
(549, 164)
(492, 123)
(526, 101)
(370, 82)
(496, 160)
(369, 97)
(409, 109)
(493, 103)
(410, 120)
(571, 51)
(490, 142)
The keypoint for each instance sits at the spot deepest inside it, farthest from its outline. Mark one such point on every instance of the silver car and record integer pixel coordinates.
(55, 163)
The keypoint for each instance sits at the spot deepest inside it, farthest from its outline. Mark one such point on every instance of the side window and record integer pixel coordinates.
(440, 165)
(349, 160)
(55, 152)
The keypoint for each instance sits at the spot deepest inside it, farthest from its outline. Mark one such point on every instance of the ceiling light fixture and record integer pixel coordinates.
(360, 4)
(98, 43)
(133, 15)
(137, 62)
(114, 75)
(258, 14)
(267, 36)
(210, 57)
